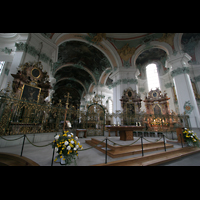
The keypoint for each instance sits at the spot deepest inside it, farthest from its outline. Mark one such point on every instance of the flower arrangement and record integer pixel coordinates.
(190, 137)
(66, 145)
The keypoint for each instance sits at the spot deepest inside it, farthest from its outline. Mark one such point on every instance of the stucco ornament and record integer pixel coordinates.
(188, 107)
(126, 52)
(168, 38)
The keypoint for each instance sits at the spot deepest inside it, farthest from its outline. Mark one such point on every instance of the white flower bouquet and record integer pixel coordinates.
(66, 146)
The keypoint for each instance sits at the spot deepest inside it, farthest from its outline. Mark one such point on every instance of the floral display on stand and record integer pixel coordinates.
(190, 137)
(66, 145)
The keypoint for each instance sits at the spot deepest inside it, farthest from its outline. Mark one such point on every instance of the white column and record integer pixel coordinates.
(15, 63)
(179, 66)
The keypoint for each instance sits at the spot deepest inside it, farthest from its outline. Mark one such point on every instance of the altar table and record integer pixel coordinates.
(125, 132)
(81, 130)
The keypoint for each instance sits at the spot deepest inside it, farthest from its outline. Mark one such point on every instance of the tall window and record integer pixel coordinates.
(1, 66)
(152, 77)
(110, 105)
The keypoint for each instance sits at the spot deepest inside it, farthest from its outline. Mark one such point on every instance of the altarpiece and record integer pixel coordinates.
(131, 104)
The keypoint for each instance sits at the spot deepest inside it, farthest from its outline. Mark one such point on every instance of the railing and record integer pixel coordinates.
(106, 141)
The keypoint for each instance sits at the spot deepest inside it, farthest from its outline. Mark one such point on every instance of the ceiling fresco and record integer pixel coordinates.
(150, 55)
(83, 53)
(188, 42)
(82, 56)
(86, 59)
(73, 72)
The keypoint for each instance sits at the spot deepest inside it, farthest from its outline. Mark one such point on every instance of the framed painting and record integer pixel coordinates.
(30, 93)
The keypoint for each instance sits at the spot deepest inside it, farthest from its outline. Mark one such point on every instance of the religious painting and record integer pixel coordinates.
(30, 93)
(130, 108)
(157, 110)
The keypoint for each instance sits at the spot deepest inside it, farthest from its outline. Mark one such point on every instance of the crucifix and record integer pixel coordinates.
(67, 106)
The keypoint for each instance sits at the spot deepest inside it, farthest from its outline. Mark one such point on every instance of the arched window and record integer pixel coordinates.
(109, 105)
(152, 77)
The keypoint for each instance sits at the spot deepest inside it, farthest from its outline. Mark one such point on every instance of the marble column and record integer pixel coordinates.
(185, 95)
(123, 78)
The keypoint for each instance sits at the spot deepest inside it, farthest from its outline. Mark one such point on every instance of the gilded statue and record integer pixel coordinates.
(168, 38)
(126, 52)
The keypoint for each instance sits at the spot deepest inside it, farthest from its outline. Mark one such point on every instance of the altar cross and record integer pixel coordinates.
(67, 103)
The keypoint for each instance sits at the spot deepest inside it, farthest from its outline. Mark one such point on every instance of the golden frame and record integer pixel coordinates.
(33, 96)
(131, 91)
(34, 76)
(153, 93)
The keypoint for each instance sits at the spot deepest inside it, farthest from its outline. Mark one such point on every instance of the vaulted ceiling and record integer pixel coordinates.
(82, 64)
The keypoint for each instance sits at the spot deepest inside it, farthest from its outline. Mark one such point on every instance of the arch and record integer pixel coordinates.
(104, 75)
(72, 79)
(177, 41)
(154, 44)
(74, 65)
(104, 48)
(91, 87)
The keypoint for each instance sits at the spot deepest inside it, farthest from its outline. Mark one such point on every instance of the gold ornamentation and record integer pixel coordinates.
(126, 52)
(99, 37)
(33, 73)
(168, 38)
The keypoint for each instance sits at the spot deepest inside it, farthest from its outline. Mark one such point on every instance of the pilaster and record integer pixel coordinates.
(185, 95)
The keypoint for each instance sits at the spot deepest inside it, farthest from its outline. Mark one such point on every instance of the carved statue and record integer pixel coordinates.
(126, 52)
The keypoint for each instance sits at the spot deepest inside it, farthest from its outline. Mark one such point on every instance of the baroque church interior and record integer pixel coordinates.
(148, 80)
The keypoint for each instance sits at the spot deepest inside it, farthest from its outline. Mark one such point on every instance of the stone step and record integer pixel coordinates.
(154, 159)
(121, 151)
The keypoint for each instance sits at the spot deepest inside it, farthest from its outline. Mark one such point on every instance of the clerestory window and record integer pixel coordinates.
(152, 77)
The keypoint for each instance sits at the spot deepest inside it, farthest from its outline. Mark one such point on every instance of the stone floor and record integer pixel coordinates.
(43, 155)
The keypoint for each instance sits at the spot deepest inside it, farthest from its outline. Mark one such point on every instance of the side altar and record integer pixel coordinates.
(131, 104)
(158, 116)
(23, 108)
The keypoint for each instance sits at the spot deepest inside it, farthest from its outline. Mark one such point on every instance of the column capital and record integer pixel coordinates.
(178, 60)
(122, 71)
